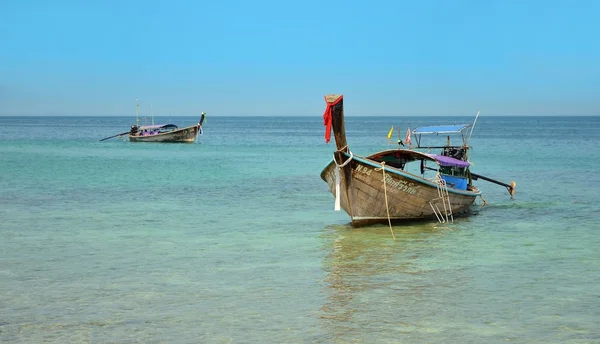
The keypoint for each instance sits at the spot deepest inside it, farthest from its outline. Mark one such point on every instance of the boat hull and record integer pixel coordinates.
(408, 197)
(183, 135)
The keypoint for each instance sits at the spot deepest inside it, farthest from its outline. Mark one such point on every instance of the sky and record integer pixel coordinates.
(279, 58)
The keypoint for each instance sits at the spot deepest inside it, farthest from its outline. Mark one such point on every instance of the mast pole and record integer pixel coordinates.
(473, 127)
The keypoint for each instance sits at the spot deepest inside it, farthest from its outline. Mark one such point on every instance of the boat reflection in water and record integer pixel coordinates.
(380, 290)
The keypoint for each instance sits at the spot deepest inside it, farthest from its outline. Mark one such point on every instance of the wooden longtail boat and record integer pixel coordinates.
(399, 184)
(166, 133)
(163, 133)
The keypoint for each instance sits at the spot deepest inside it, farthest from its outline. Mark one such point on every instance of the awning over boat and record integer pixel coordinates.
(441, 129)
(157, 126)
(448, 161)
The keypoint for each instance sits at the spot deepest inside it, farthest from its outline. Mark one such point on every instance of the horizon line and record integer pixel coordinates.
(319, 115)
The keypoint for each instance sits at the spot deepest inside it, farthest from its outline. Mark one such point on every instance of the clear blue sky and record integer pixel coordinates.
(280, 57)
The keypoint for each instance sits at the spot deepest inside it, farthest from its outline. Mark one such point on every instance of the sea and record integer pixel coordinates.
(234, 238)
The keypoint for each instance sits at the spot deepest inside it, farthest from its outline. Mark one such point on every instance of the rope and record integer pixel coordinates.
(484, 201)
(387, 207)
(347, 161)
(338, 167)
(436, 210)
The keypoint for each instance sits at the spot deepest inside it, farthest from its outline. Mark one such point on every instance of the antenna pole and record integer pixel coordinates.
(473, 127)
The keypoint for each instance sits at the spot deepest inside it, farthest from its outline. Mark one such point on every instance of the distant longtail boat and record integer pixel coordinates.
(163, 133)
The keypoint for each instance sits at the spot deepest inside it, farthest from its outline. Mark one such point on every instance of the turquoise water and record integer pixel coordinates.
(234, 239)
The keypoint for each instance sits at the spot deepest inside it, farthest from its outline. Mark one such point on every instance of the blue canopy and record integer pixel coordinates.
(441, 129)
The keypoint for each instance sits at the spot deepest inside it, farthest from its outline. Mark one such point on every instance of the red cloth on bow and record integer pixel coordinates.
(327, 117)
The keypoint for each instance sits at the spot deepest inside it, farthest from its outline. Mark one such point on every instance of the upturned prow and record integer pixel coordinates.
(333, 118)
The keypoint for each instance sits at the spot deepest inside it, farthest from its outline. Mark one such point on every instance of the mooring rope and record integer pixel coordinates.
(338, 167)
(484, 201)
(387, 207)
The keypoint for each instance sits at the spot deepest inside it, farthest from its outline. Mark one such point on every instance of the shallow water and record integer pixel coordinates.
(234, 239)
